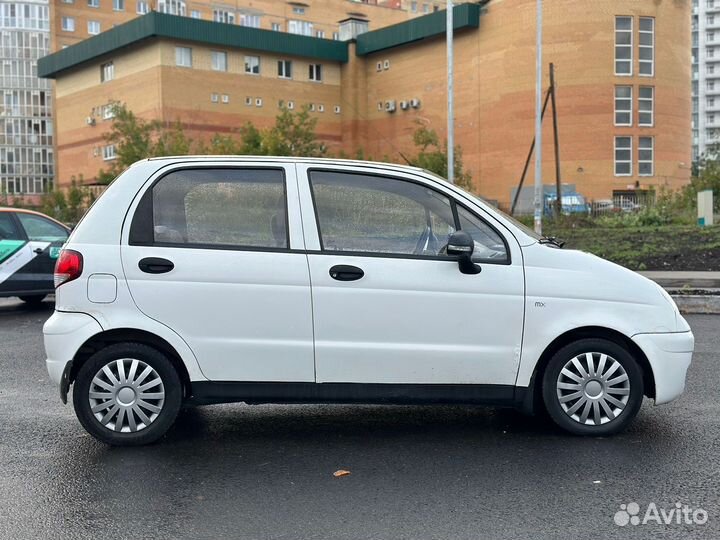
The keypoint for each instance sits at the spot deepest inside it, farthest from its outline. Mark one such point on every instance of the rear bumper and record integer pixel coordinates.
(64, 334)
(669, 356)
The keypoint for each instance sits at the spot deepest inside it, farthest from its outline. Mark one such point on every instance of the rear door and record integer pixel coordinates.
(389, 305)
(45, 238)
(217, 255)
(15, 255)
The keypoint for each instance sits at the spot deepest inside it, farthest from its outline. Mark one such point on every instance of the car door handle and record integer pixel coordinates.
(155, 265)
(345, 272)
(38, 251)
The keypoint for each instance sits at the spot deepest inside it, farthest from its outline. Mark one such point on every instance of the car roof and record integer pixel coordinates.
(289, 159)
(33, 212)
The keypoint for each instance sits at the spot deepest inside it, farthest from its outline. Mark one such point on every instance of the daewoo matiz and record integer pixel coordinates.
(201, 280)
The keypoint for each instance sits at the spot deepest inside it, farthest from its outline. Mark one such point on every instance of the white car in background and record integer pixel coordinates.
(201, 280)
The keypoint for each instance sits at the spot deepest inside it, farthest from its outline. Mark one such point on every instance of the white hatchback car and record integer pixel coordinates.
(200, 280)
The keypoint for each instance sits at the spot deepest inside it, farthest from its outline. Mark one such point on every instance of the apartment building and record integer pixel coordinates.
(26, 128)
(624, 98)
(705, 78)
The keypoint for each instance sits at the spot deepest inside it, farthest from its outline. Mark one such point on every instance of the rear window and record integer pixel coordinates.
(215, 208)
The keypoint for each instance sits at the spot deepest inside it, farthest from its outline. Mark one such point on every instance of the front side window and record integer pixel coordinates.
(219, 60)
(183, 56)
(623, 105)
(623, 45)
(646, 106)
(647, 46)
(8, 231)
(285, 69)
(372, 214)
(221, 207)
(623, 156)
(645, 156)
(41, 229)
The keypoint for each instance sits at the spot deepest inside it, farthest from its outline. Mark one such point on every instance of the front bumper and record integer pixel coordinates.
(64, 334)
(669, 355)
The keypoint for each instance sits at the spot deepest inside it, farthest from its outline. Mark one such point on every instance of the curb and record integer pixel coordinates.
(692, 304)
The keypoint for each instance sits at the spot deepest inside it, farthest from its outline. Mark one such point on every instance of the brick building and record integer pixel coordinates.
(624, 97)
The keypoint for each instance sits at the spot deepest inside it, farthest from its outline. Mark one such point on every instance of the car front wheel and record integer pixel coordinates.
(593, 387)
(127, 394)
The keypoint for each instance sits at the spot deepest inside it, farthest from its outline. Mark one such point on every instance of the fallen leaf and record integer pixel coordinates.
(341, 472)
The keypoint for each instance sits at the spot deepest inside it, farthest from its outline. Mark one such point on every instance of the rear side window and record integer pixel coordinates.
(40, 229)
(213, 208)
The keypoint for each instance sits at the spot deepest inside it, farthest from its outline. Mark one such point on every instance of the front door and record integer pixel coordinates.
(211, 254)
(45, 238)
(389, 305)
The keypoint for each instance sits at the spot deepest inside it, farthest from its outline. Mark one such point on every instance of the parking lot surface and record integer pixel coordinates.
(237, 471)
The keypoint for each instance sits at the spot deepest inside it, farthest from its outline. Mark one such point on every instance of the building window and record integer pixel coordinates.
(107, 72)
(710, 52)
(214, 98)
(219, 60)
(172, 7)
(118, 5)
(710, 20)
(647, 46)
(413, 7)
(94, 3)
(142, 7)
(68, 24)
(285, 69)
(646, 106)
(426, 8)
(109, 152)
(336, 36)
(223, 16)
(623, 45)
(320, 34)
(276, 27)
(623, 156)
(710, 85)
(183, 56)
(108, 112)
(645, 156)
(252, 65)
(93, 27)
(623, 105)
(315, 72)
(302, 28)
(195, 14)
(251, 21)
(297, 10)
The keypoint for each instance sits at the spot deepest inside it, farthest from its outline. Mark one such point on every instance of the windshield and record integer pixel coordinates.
(493, 210)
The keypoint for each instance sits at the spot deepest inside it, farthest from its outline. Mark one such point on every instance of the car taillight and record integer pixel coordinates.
(69, 266)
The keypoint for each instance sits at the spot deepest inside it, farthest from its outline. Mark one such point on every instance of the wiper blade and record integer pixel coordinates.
(552, 241)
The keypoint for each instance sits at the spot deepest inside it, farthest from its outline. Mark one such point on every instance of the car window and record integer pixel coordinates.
(373, 214)
(489, 245)
(224, 207)
(41, 229)
(8, 228)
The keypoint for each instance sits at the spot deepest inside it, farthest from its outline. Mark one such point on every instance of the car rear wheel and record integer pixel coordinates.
(127, 394)
(593, 387)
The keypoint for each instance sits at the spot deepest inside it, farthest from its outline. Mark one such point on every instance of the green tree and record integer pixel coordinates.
(293, 135)
(133, 140)
(432, 156)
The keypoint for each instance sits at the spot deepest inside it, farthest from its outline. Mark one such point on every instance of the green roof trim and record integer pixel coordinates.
(161, 25)
(427, 26)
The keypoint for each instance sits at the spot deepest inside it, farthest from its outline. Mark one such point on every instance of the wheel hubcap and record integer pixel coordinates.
(126, 395)
(593, 388)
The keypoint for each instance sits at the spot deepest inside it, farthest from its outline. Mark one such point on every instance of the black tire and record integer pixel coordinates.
(34, 300)
(170, 381)
(552, 400)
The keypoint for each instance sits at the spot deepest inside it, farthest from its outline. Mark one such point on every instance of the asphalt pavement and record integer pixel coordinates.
(266, 472)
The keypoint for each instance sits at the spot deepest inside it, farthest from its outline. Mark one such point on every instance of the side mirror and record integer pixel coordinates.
(461, 245)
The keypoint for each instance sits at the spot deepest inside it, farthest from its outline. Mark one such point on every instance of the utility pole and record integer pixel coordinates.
(450, 111)
(539, 195)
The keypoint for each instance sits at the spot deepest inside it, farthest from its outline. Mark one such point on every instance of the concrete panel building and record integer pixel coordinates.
(624, 96)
